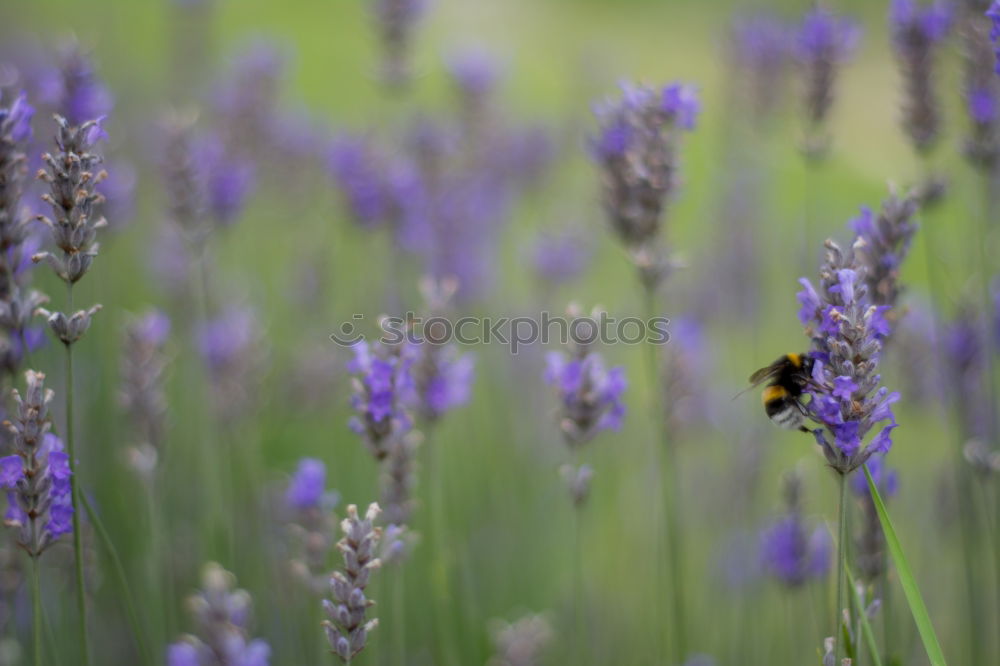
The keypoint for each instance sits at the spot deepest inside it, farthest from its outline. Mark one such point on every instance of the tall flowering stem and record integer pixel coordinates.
(590, 401)
(72, 176)
(396, 20)
(916, 33)
(637, 150)
(17, 303)
(847, 402)
(37, 478)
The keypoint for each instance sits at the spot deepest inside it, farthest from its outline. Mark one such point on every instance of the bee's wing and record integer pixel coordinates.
(764, 374)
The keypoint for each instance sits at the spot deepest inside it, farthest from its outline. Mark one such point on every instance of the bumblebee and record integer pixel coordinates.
(786, 379)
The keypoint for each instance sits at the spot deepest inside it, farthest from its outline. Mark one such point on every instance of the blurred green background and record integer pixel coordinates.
(510, 522)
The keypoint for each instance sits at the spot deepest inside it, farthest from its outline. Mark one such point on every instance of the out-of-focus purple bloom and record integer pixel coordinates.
(982, 106)
(227, 180)
(359, 177)
(560, 256)
(396, 20)
(824, 42)
(229, 345)
(443, 378)
(636, 148)
(846, 346)
(307, 486)
(73, 89)
(221, 615)
(142, 396)
(886, 479)
(793, 554)
(475, 73)
(119, 195)
(383, 386)
(590, 395)
(247, 94)
(761, 46)
(883, 243)
(915, 32)
(15, 120)
(993, 14)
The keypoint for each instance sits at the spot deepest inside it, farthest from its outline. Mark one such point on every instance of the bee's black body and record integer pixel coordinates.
(786, 379)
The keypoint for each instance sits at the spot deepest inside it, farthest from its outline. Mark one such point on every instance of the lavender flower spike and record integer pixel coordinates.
(15, 132)
(310, 523)
(142, 396)
(884, 241)
(636, 150)
(522, 642)
(382, 387)
(347, 628)
(916, 32)
(824, 43)
(37, 476)
(221, 615)
(396, 20)
(846, 331)
(72, 177)
(993, 14)
(789, 551)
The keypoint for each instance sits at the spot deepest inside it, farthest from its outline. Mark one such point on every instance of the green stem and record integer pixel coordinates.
(841, 553)
(81, 587)
(36, 604)
(119, 569)
(440, 561)
(399, 615)
(581, 641)
(665, 464)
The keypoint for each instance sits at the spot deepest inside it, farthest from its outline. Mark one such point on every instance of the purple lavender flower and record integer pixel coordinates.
(916, 32)
(142, 395)
(308, 485)
(73, 89)
(221, 614)
(761, 47)
(981, 87)
(788, 551)
(993, 14)
(227, 180)
(38, 476)
(793, 554)
(636, 149)
(230, 347)
(347, 626)
(884, 243)
(475, 75)
(72, 174)
(360, 178)
(824, 42)
(396, 20)
(245, 99)
(590, 395)
(383, 386)
(560, 255)
(846, 331)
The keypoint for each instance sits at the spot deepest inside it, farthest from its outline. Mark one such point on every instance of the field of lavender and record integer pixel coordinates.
(420, 324)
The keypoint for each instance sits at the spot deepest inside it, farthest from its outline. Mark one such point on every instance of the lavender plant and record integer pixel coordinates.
(382, 386)
(847, 401)
(636, 149)
(916, 33)
(143, 366)
(396, 21)
(522, 642)
(221, 615)
(824, 42)
(789, 551)
(347, 626)
(981, 88)
(72, 176)
(761, 50)
(308, 504)
(38, 481)
(17, 302)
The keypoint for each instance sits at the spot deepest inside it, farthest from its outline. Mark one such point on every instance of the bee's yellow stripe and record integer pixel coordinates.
(796, 360)
(772, 393)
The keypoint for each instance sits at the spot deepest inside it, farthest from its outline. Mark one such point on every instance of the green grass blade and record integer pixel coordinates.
(910, 589)
(866, 628)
